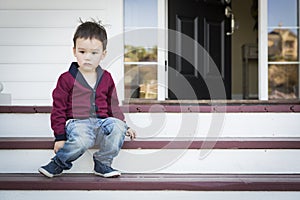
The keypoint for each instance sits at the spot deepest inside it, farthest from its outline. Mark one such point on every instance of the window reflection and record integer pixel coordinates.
(283, 45)
(141, 81)
(140, 13)
(140, 54)
(283, 81)
(282, 13)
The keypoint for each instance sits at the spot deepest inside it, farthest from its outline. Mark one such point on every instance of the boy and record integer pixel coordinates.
(86, 109)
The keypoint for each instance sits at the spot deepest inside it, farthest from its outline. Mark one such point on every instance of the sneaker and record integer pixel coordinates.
(51, 170)
(105, 171)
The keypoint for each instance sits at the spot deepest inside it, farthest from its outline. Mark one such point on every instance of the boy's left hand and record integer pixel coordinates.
(131, 133)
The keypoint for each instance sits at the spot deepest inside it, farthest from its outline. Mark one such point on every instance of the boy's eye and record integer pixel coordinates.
(82, 52)
(94, 53)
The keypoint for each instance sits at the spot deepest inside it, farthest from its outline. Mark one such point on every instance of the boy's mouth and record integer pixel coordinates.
(87, 64)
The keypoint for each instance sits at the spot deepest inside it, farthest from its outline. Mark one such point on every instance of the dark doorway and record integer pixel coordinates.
(205, 22)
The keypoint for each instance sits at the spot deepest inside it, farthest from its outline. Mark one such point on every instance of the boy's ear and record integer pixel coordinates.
(104, 54)
(74, 51)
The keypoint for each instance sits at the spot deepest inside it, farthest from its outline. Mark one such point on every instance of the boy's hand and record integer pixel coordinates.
(58, 145)
(131, 133)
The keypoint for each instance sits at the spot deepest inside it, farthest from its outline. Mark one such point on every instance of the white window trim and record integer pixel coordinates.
(162, 51)
(298, 51)
(263, 50)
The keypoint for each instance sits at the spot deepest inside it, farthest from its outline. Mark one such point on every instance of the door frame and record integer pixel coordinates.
(262, 49)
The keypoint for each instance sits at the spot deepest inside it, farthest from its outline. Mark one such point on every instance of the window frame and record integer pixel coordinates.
(263, 61)
(162, 75)
(263, 50)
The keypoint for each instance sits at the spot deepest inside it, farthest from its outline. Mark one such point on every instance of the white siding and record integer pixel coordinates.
(36, 43)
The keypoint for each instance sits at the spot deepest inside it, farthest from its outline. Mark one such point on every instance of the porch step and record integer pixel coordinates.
(167, 155)
(178, 182)
(244, 162)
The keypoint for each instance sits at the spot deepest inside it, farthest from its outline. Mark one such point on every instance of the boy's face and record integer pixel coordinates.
(89, 53)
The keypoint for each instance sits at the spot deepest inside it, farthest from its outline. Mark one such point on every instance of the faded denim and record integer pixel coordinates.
(82, 134)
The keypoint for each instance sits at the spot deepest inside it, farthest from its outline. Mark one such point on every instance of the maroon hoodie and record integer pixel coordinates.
(73, 98)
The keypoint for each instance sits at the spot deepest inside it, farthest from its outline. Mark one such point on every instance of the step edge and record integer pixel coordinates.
(167, 143)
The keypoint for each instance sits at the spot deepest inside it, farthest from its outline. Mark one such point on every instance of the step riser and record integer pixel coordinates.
(147, 195)
(172, 125)
(166, 161)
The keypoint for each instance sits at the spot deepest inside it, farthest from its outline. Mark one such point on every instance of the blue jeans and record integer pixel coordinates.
(82, 134)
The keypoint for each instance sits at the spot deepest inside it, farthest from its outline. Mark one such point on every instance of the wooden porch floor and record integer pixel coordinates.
(188, 182)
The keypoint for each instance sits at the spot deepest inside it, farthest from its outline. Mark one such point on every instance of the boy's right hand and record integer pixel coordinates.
(58, 145)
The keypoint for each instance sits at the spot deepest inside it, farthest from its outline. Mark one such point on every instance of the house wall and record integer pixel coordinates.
(243, 35)
(36, 44)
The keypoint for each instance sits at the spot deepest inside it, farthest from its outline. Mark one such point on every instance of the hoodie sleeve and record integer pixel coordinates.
(58, 117)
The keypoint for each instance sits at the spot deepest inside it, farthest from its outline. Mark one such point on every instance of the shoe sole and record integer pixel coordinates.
(113, 174)
(46, 173)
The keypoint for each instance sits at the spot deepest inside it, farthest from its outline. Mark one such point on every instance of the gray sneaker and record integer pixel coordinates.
(105, 171)
(51, 170)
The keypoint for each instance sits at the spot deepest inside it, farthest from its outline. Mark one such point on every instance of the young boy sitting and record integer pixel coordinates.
(86, 108)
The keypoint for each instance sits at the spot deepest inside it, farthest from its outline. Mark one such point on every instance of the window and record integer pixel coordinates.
(283, 52)
(141, 56)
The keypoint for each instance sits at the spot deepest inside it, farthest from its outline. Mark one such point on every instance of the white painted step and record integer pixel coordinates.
(172, 125)
(233, 161)
(147, 195)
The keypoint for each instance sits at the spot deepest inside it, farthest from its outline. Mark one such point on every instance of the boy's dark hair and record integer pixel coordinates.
(89, 30)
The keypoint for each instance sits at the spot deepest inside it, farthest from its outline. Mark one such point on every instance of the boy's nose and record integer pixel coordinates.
(87, 56)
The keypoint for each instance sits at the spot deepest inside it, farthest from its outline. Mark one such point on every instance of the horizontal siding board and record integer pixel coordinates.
(31, 72)
(40, 102)
(36, 36)
(35, 54)
(40, 33)
(48, 18)
(53, 4)
(29, 90)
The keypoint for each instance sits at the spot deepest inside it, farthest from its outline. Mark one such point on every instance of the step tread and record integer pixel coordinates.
(258, 107)
(192, 182)
(167, 143)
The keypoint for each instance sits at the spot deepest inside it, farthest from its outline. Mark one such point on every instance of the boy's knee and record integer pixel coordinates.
(114, 125)
(83, 143)
(121, 125)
